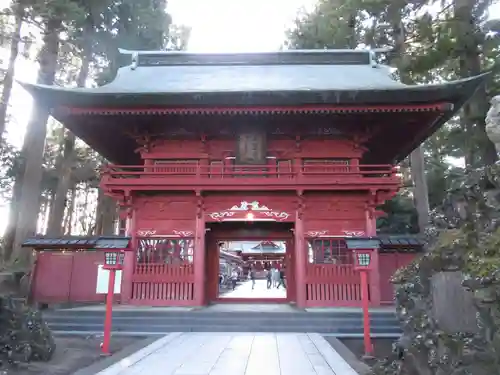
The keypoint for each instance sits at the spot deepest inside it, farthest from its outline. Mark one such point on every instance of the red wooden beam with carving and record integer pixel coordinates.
(434, 107)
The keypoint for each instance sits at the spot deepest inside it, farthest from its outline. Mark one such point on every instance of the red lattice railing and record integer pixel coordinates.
(164, 272)
(196, 170)
(332, 285)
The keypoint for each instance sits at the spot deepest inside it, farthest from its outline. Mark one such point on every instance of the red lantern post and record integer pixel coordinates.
(363, 264)
(113, 261)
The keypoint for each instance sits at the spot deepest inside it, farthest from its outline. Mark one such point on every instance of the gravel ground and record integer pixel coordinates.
(72, 353)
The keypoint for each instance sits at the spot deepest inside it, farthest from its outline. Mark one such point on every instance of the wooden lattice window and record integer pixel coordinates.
(326, 165)
(165, 250)
(329, 251)
(173, 166)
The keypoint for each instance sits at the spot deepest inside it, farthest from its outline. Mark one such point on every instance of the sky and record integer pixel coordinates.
(236, 25)
(216, 26)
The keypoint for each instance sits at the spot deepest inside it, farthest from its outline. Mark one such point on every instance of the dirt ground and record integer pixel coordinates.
(382, 347)
(72, 354)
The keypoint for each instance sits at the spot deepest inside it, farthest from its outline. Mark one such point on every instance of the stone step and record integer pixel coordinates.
(228, 322)
(156, 321)
(223, 314)
(230, 319)
(159, 329)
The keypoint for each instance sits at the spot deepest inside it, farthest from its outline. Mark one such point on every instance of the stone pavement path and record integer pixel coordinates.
(234, 354)
(244, 290)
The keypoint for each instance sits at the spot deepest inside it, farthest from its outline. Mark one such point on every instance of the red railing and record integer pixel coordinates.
(332, 285)
(199, 171)
(164, 272)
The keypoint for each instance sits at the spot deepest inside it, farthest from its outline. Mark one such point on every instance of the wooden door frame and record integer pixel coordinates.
(220, 235)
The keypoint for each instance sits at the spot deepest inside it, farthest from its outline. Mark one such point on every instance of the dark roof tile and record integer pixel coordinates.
(77, 242)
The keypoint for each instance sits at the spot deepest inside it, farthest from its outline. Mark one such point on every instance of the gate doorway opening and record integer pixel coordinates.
(252, 269)
(250, 262)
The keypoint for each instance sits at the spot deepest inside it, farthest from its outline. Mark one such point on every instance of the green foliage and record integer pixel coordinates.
(10, 161)
(464, 241)
(401, 216)
(484, 261)
(133, 25)
(24, 335)
(435, 47)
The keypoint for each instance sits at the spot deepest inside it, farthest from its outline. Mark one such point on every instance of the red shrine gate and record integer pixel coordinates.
(318, 262)
(238, 138)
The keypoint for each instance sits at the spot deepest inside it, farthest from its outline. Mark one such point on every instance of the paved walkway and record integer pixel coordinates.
(244, 290)
(234, 354)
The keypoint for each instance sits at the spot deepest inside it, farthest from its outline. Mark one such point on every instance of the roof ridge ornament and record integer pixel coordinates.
(373, 54)
(245, 206)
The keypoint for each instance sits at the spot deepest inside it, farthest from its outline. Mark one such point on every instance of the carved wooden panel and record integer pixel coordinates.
(325, 228)
(181, 228)
(326, 148)
(164, 208)
(186, 145)
(252, 148)
(334, 206)
(218, 149)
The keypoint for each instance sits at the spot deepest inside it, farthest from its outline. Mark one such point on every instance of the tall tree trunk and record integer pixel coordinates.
(10, 230)
(109, 217)
(106, 213)
(34, 143)
(420, 192)
(417, 161)
(44, 212)
(19, 11)
(70, 213)
(55, 227)
(479, 148)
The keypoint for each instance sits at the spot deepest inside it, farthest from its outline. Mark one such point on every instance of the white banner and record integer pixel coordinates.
(103, 281)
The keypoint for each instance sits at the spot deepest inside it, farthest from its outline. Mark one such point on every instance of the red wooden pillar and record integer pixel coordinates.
(300, 258)
(290, 266)
(371, 230)
(148, 166)
(199, 256)
(354, 165)
(130, 258)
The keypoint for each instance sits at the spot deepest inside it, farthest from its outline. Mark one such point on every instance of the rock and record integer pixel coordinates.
(493, 122)
(445, 333)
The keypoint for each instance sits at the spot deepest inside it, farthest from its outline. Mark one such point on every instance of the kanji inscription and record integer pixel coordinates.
(251, 148)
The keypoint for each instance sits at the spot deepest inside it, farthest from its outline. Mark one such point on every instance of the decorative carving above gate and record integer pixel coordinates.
(249, 211)
(326, 233)
(173, 233)
(354, 233)
(316, 233)
(183, 233)
(146, 233)
(245, 206)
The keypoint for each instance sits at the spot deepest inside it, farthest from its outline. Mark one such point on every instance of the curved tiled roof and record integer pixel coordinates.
(179, 84)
